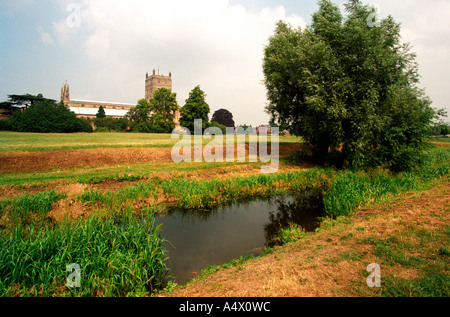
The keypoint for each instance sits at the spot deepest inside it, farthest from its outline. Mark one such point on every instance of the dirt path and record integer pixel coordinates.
(315, 266)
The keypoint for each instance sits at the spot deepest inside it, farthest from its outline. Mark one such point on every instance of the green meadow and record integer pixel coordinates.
(116, 240)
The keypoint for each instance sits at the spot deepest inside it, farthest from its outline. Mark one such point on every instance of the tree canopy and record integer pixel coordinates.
(164, 103)
(223, 117)
(47, 116)
(101, 113)
(195, 108)
(17, 102)
(156, 115)
(349, 88)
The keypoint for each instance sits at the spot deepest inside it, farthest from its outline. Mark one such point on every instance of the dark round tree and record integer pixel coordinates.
(223, 117)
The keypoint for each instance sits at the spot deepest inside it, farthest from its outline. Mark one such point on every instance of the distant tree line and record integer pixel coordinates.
(29, 113)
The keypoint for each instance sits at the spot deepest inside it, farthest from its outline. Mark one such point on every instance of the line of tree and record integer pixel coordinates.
(349, 88)
(440, 127)
(31, 113)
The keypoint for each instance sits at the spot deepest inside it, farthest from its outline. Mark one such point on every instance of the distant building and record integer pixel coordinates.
(266, 129)
(155, 82)
(89, 109)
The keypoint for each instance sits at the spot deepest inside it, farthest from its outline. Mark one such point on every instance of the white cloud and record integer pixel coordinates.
(208, 43)
(63, 31)
(46, 38)
(219, 46)
(426, 26)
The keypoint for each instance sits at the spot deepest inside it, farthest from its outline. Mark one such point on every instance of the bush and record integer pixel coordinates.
(220, 126)
(156, 126)
(5, 125)
(111, 124)
(48, 117)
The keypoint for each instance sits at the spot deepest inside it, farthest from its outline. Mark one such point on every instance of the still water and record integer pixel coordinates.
(196, 240)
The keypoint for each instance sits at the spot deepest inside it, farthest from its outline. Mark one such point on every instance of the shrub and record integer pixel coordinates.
(47, 116)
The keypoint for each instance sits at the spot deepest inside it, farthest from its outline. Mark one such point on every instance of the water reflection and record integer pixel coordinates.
(303, 209)
(197, 240)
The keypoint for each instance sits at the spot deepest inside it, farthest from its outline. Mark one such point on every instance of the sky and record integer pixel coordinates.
(103, 48)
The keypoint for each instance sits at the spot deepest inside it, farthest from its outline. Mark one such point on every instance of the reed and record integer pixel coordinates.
(116, 258)
(351, 189)
(30, 208)
(204, 195)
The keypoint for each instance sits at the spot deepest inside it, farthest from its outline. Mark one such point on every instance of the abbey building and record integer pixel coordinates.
(89, 109)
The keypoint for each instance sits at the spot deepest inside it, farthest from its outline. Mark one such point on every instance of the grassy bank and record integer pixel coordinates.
(407, 236)
(120, 250)
(16, 141)
(343, 191)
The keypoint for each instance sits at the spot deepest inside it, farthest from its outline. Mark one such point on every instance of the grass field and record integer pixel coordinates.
(67, 198)
(16, 141)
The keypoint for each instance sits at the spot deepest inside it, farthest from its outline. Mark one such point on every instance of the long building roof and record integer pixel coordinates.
(93, 111)
(104, 102)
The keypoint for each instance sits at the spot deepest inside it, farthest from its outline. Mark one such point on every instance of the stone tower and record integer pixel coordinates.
(65, 94)
(155, 82)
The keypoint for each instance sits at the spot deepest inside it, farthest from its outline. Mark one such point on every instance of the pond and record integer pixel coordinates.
(196, 240)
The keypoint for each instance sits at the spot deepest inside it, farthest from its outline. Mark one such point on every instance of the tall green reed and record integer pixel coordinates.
(206, 194)
(350, 189)
(24, 208)
(116, 258)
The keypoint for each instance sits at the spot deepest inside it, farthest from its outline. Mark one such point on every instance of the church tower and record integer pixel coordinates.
(65, 94)
(155, 82)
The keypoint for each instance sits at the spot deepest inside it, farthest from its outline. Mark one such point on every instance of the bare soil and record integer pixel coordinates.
(25, 162)
(38, 161)
(315, 267)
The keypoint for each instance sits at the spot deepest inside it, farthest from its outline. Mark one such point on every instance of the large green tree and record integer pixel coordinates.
(195, 108)
(140, 113)
(349, 88)
(156, 115)
(163, 106)
(48, 116)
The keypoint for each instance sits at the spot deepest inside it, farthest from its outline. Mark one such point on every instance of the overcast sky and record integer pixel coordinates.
(217, 44)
